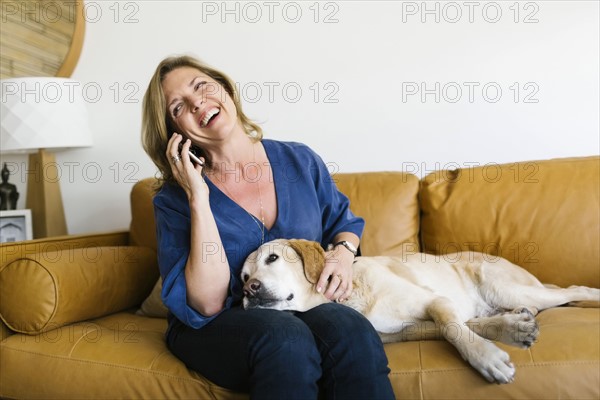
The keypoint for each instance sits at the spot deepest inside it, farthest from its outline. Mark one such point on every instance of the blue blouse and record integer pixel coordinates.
(309, 206)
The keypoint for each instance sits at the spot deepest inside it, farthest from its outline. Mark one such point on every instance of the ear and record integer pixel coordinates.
(312, 256)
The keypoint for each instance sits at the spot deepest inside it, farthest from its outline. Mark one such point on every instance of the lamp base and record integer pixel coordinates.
(43, 196)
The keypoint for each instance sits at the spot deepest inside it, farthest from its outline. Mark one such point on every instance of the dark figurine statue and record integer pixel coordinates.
(8, 192)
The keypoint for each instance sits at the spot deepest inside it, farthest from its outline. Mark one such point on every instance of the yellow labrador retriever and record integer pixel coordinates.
(465, 298)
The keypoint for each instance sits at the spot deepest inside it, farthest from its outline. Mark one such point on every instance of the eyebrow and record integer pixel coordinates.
(189, 84)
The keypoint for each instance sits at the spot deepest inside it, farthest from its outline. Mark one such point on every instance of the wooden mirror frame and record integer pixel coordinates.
(70, 61)
(20, 36)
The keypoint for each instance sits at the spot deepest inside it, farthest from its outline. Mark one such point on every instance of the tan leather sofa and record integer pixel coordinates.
(68, 305)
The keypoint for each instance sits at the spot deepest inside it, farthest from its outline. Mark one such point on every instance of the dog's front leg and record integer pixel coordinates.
(491, 362)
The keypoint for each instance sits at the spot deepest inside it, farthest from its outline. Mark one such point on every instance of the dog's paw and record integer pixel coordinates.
(521, 327)
(493, 363)
(532, 311)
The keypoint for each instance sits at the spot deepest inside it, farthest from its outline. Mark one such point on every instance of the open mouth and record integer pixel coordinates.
(209, 117)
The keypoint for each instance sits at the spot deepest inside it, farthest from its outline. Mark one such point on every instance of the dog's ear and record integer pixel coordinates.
(312, 256)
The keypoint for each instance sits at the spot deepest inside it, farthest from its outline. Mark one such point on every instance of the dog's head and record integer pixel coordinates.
(282, 274)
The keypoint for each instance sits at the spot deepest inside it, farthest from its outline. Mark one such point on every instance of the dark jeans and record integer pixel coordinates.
(284, 355)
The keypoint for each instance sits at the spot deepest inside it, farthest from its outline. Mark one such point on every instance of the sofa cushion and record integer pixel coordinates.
(153, 306)
(47, 290)
(378, 197)
(120, 356)
(388, 201)
(142, 230)
(125, 356)
(564, 363)
(541, 215)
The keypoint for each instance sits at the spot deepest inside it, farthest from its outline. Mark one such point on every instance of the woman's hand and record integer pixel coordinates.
(336, 278)
(188, 175)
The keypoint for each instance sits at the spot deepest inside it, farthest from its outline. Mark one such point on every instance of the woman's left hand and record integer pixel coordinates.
(336, 278)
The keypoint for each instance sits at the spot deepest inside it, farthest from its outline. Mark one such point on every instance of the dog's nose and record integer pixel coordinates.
(251, 288)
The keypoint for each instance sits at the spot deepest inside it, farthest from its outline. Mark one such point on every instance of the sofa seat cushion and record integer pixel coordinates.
(124, 356)
(119, 356)
(563, 363)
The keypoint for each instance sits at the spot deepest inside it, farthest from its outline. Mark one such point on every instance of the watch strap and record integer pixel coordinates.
(349, 246)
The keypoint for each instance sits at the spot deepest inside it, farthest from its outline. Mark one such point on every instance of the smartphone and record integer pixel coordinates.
(193, 156)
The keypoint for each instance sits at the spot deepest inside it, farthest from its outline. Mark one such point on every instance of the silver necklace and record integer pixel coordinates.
(260, 223)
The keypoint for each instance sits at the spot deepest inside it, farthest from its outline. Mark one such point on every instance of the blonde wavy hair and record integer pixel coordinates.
(157, 126)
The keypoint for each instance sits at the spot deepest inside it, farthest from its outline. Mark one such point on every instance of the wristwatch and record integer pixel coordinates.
(351, 248)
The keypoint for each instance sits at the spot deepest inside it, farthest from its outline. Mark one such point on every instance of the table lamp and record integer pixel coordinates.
(37, 114)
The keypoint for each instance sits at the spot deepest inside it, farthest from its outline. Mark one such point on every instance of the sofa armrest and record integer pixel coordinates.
(14, 250)
(43, 291)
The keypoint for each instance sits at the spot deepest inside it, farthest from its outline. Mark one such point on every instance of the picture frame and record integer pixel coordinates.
(15, 226)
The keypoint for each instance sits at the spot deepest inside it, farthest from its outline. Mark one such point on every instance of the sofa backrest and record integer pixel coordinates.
(541, 215)
(142, 230)
(386, 200)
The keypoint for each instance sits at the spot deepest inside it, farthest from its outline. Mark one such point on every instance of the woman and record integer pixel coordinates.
(210, 216)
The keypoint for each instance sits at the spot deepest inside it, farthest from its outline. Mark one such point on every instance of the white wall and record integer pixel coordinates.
(364, 64)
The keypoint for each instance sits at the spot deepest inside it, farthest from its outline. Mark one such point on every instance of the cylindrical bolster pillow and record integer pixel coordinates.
(47, 290)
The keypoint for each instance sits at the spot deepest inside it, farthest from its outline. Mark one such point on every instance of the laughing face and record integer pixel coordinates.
(199, 107)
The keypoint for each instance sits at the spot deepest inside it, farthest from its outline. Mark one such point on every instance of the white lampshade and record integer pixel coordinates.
(42, 113)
